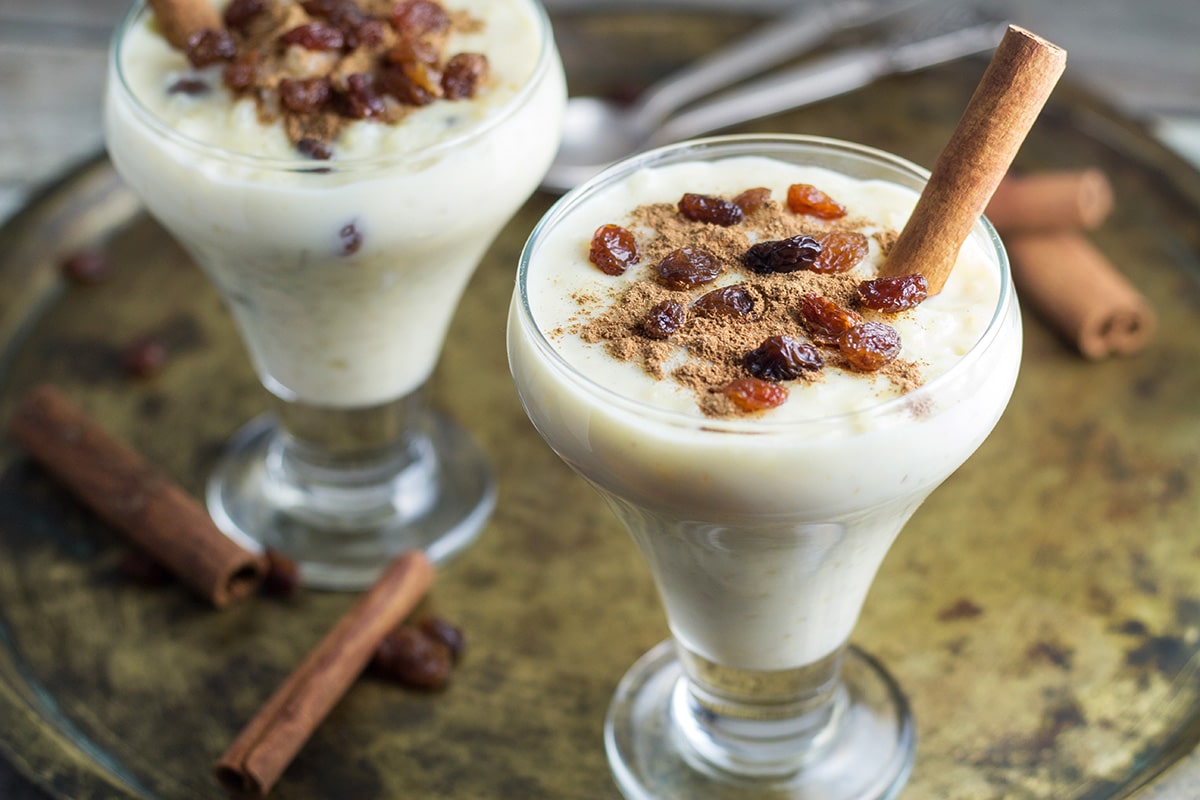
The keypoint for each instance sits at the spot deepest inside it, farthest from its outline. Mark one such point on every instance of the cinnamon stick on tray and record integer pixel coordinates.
(1011, 94)
(1050, 201)
(260, 753)
(134, 497)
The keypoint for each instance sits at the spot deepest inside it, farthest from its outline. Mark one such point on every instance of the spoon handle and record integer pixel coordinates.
(772, 44)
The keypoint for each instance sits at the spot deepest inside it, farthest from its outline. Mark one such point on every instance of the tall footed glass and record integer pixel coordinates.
(342, 276)
(763, 531)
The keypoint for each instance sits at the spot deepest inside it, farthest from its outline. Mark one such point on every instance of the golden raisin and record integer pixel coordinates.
(752, 200)
(825, 319)
(804, 198)
(870, 346)
(841, 251)
(713, 210)
(613, 249)
(755, 394)
(893, 294)
(687, 267)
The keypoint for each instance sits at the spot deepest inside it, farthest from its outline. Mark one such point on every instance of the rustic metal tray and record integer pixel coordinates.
(1042, 610)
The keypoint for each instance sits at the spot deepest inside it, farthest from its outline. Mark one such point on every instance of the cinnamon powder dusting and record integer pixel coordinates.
(708, 350)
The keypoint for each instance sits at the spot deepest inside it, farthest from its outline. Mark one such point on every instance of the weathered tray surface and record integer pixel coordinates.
(1042, 609)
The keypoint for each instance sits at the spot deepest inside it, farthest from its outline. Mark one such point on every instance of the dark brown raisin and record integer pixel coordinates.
(782, 358)
(411, 657)
(893, 294)
(144, 570)
(463, 75)
(210, 46)
(193, 87)
(362, 101)
(240, 13)
(315, 36)
(665, 319)
(144, 357)
(351, 239)
(86, 266)
(687, 267)
(755, 394)
(314, 149)
(613, 249)
(728, 301)
(447, 633)
(283, 575)
(358, 27)
(825, 319)
(804, 198)
(416, 18)
(371, 33)
(709, 209)
(426, 80)
(305, 95)
(395, 80)
(752, 200)
(782, 255)
(870, 346)
(841, 251)
(242, 73)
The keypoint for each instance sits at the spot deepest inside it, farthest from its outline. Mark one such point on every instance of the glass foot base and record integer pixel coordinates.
(438, 505)
(867, 757)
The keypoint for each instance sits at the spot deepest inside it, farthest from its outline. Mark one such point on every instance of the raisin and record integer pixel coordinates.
(315, 36)
(240, 13)
(445, 632)
(408, 50)
(283, 575)
(687, 267)
(824, 318)
(305, 95)
(395, 80)
(728, 301)
(613, 249)
(425, 79)
(664, 320)
(893, 294)
(752, 200)
(413, 19)
(362, 101)
(242, 73)
(463, 75)
(782, 358)
(412, 657)
(804, 198)
(709, 209)
(144, 357)
(314, 149)
(841, 251)
(755, 394)
(870, 346)
(210, 46)
(782, 255)
(351, 239)
(193, 87)
(86, 266)
(371, 33)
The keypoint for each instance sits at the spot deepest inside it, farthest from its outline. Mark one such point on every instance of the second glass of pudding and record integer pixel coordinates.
(763, 529)
(342, 261)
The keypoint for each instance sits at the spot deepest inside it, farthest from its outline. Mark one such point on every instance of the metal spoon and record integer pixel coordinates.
(597, 132)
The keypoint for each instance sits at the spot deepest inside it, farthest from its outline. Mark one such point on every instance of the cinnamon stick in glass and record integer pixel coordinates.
(123, 489)
(1014, 88)
(260, 753)
(1050, 201)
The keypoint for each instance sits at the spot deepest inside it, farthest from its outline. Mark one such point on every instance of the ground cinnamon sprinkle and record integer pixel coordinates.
(707, 352)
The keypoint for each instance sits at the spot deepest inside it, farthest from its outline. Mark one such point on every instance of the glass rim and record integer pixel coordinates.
(335, 165)
(735, 144)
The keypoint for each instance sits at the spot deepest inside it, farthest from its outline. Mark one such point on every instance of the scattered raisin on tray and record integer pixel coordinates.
(804, 198)
(445, 632)
(613, 249)
(86, 266)
(782, 255)
(870, 346)
(315, 36)
(894, 294)
(210, 46)
(144, 357)
(410, 656)
(664, 319)
(755, 394)
(710, 209)
(824, 318)
(841, 251)
(283, 575)
(752, 200)
(782, 358)
(687, 267)
(728, 301)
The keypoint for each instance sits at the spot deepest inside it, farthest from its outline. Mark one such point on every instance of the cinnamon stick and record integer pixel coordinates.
(179, 19)
(1011, 94)
(1055, 200)
(1069, 282)
(137, 499)
(260, 753)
